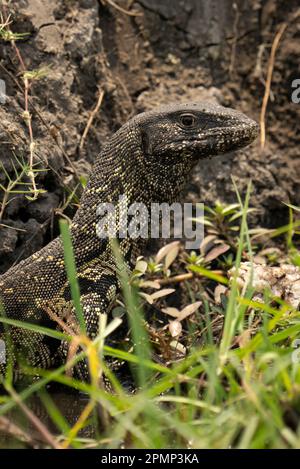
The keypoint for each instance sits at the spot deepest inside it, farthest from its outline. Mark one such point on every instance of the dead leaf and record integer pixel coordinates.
(206, 243)
(147, 297)
(216, 252)
(141, 266)
(188, 310)
(175, 328)
(171, 256)
(260, 259)
(161, 293)
(174, 312)
(165, 250)
(175, 345)
(219, 290)
(158, 294)
(150, 284)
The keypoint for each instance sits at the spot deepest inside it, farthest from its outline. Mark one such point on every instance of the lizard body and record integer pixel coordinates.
(149, 159)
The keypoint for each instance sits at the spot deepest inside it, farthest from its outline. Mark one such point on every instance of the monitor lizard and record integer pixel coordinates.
(149, 159)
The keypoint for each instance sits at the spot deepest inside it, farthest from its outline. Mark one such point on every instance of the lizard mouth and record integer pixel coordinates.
(212, 142)
(243, 134)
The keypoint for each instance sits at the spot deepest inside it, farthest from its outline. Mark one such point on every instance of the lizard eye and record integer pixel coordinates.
(187, 120)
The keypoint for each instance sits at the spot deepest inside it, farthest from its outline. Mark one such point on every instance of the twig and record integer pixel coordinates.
(212, 323)
(72, 350)
(54, 137)
(3, 204)
(182, 277)
(9, 428)
(76, 340)
(268, 84)
(176, 279)
(11, 227)
(122, 10)
(74, 345)
(26, 114)
(235, 38)
(47, 436)
(91, 118)
(9, 189)
(27, 118)
(275, 45)
(68, 330)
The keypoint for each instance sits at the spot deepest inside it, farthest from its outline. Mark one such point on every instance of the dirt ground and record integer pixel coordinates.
(150, 53)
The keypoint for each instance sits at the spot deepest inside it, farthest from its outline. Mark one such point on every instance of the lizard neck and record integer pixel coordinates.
(121, 170)
(118, 171)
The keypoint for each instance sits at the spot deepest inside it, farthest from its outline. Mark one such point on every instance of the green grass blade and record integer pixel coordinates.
(71, 272)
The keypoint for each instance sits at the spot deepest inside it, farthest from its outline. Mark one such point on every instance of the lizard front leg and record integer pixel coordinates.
(94, 303)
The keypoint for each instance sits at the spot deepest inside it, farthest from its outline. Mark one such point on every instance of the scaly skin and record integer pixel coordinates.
(149, 159)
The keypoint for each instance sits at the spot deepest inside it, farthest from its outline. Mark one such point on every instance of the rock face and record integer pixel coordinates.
(281, 281)
(160, 52)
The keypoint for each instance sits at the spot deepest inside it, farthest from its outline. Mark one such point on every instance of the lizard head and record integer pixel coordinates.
(199, 130)
(175, 137)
